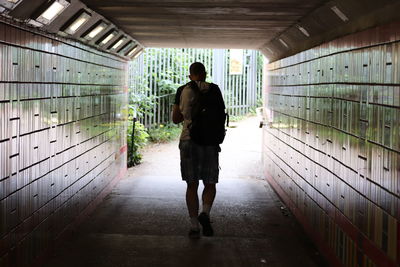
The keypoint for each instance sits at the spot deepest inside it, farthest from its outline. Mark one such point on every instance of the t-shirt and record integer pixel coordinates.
(184, 98)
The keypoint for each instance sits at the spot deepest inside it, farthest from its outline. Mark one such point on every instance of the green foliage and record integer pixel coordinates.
(233, 118)
(166, 85)
(252, 110)
(140, 102)
(164, 133)
(140, 140)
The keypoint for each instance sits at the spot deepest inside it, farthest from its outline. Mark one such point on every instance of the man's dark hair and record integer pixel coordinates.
(197, 68)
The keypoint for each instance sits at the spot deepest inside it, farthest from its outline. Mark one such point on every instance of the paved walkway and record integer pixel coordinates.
(144, 221)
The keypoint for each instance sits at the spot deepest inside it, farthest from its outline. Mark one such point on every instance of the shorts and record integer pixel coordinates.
(199, 162)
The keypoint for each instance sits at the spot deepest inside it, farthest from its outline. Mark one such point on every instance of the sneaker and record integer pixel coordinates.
(204, 220)
(194, 233)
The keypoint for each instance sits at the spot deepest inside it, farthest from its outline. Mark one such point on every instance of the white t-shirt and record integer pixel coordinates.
(185, 106)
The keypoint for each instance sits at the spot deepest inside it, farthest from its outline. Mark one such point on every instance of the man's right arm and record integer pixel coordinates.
(177, 116)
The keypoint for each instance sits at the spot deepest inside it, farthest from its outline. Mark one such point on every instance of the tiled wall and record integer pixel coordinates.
(331, 148)
(62, 136)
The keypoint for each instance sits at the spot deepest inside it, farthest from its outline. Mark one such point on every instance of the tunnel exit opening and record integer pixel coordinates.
(155, 76)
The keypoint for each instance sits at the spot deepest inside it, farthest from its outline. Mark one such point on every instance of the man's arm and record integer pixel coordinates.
(177, 116)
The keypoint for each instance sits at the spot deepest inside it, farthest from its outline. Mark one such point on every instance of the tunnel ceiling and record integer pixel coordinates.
(206, 23)
(272, 26)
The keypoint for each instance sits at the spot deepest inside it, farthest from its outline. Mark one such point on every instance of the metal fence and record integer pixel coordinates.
(160, 71)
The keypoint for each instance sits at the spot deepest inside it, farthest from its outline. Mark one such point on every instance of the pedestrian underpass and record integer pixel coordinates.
(330, 129)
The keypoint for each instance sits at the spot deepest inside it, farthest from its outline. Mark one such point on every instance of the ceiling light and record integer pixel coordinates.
(138, 54)
(269, 49)
(304, 31)
(339, 13)
(34, 23)
(118, 43)
(78, 22)
(8, 4)
(95, 30)
(108, 37)
(125, 47)
(283, 42)
(132, 51)
(52, 11)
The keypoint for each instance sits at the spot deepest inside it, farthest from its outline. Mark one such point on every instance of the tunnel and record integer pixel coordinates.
(330, 126)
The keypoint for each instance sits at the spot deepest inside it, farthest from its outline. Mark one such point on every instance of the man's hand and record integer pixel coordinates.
(177, 116)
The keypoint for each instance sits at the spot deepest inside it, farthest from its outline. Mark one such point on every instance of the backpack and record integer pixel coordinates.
(208, 116)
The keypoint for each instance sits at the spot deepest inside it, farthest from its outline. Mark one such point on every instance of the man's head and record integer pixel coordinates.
(197, 72)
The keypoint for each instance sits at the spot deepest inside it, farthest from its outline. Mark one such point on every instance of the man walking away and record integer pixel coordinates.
(199, 160)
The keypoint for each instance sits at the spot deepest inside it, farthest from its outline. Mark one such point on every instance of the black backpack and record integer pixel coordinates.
(208, 116)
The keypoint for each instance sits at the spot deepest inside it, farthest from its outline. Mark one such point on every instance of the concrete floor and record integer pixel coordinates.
(144, 221)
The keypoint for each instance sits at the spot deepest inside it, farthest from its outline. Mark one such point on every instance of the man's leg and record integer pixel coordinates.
(192, 199)
(192, 203)
(208, 197)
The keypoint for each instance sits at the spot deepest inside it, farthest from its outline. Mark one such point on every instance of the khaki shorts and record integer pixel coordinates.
(199, 162)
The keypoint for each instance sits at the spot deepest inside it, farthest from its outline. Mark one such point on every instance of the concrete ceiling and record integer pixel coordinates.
(204, 23)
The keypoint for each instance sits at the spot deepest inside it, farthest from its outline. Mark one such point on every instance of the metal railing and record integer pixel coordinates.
(160, 71)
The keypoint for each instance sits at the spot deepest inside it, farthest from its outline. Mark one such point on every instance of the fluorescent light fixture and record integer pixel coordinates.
(132, 51)
(52, 11)
(118, 43)
(125, 47)
(283, 42)
(269, 49)
(108, 38)
(339, 13)
(8, 4)
(111, 34)
(34, 23)
(94, 31)
(138, 54)
(78, 22)
(304, 31)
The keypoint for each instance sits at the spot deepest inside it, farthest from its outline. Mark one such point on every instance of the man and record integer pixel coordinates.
(198, 162)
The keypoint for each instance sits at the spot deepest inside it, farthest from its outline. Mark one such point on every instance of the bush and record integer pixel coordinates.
(140, 140)
(164, 133)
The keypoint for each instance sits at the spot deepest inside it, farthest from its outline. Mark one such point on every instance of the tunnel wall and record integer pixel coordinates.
(331, 145)
(62, 136)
